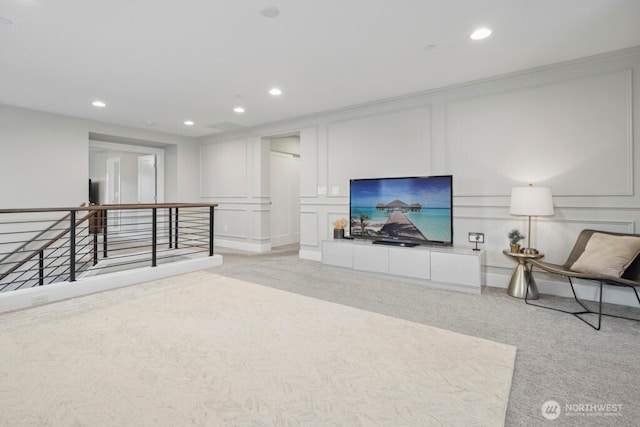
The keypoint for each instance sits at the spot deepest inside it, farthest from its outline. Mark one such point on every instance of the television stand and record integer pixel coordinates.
(450, 268)
(393, 242)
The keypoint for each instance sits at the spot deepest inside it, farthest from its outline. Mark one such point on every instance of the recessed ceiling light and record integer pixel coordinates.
(189, 122)
(5, 21)
(429, 47)
(275, 91)
(98, 103)
(239, 110)
(480, 33)
(270, 12)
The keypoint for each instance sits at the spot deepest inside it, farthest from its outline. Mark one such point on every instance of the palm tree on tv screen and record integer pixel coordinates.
(364, 221)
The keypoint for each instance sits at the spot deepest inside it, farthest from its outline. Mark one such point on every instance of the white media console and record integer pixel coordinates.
(438, 267)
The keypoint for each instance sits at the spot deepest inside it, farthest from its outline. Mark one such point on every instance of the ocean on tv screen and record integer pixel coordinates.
(417, 209)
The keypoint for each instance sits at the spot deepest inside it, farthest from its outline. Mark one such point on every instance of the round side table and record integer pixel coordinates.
(522, 276)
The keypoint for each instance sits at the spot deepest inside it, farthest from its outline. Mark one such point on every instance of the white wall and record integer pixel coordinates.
(569, 126)
(44, 158)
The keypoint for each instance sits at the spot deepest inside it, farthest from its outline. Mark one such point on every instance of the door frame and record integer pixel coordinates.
(267, 149)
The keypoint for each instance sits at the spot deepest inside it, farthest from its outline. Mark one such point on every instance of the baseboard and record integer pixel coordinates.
(243, 246)
(310, 255)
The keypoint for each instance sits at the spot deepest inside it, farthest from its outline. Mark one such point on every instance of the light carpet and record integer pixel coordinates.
(203, 349)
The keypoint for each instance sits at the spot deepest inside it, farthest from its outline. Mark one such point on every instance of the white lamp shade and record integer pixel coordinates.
(531, 201)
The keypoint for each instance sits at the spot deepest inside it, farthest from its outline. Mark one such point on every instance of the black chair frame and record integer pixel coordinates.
(630, 279)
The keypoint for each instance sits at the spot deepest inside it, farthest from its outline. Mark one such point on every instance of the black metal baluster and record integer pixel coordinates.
(154, 236)
(211, 231)
(170, 228)
(72, 248)
(176, 234)
(95, 230)
(104, 233)
(41, 268)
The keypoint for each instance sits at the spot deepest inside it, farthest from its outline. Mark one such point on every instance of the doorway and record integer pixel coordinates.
(284, 173)
(147, 191)
(126, 174)
(141, 171)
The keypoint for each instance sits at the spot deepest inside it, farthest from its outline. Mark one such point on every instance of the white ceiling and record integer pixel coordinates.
(157, 63)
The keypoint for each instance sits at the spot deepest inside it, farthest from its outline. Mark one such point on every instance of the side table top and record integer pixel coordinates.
(507, 252)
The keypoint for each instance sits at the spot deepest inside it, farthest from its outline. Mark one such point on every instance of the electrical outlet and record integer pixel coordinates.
(476, 237)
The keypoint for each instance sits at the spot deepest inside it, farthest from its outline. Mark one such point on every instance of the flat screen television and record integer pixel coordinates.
(404, 211)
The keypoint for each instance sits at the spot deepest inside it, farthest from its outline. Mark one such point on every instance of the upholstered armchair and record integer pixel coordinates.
(600, 257)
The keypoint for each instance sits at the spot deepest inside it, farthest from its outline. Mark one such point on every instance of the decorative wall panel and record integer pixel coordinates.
(309, 162)
(391, 144)
(309, 228)
(561, 135)
(223, 168)
(231, 222)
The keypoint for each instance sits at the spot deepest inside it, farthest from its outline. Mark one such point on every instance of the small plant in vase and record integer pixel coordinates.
(338, 228)
(514, 237)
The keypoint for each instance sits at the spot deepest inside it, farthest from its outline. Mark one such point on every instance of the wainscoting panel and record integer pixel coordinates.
(355, 147)
(261, 217)
(231, 222)
(562, 135)
(309, 229)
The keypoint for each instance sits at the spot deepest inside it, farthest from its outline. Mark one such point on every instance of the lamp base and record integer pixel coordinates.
(529, 251)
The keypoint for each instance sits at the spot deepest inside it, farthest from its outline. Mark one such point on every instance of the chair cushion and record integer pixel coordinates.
(607, 254)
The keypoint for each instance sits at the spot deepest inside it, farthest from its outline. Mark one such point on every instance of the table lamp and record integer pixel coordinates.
(531, 201)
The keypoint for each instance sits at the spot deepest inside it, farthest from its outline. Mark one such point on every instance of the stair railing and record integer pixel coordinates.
(147, 235)
(33, 252)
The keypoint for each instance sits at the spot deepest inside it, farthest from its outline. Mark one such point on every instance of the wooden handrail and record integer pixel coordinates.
(112, 207)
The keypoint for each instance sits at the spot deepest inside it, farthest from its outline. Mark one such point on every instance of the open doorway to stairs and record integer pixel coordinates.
(126, 174)
(284, 184)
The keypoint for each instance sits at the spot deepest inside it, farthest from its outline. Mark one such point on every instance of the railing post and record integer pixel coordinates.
(41, 268)
(210, 230)
(170, 228)
(95, 245)
(72, 247)
(176, 234)
(104, 233)
(154, 236)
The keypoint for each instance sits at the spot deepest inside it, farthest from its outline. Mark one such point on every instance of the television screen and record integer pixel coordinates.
(416, 210)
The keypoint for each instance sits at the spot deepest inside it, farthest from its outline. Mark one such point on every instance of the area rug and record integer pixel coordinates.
(203, 349)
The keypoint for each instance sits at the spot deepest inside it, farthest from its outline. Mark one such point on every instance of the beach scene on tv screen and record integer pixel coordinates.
(402, 208)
